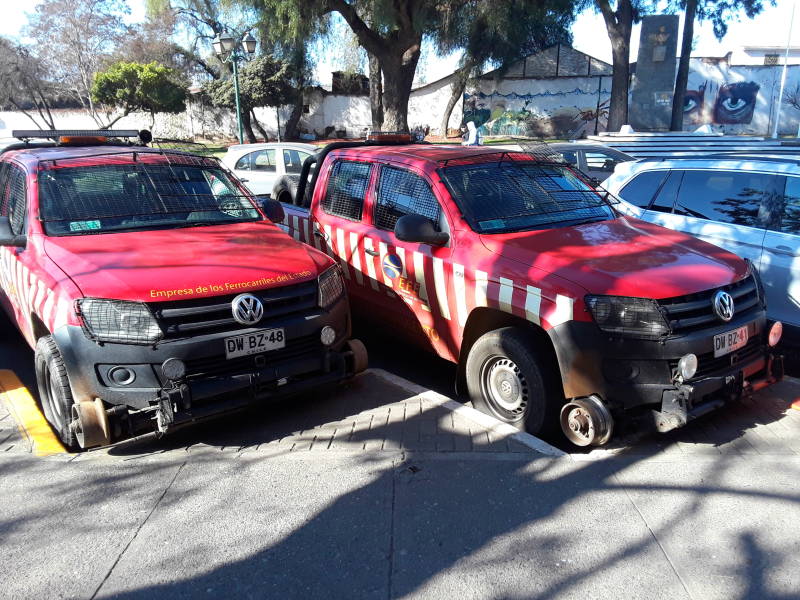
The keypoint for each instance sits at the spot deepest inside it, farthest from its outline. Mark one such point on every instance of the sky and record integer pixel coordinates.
(771, 27)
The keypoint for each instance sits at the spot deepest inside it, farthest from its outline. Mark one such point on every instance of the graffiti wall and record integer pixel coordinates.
(557, 107)
(741, 98)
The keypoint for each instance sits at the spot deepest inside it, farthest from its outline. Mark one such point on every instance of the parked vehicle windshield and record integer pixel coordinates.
(80, 200)
(506, 196)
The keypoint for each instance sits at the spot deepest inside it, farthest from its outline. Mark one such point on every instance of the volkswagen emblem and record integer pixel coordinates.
(247, 309)
(723, 305)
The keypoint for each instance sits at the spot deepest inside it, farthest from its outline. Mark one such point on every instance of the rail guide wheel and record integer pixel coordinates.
(90, 423)
(587, 422)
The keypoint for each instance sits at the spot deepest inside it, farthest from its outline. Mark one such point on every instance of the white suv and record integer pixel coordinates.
(748, 204)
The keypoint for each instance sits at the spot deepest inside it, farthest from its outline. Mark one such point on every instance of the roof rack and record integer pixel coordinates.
(55, 134)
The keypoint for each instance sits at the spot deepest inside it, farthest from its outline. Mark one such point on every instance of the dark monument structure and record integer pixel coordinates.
(653, 84)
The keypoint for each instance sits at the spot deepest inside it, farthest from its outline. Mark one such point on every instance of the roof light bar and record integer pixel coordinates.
(55, 134)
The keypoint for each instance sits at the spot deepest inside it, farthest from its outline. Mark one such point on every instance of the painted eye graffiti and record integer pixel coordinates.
(735, 103)
(693, 104)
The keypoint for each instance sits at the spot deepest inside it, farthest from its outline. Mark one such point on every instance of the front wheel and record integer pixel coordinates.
(55, 393)
(506, 378)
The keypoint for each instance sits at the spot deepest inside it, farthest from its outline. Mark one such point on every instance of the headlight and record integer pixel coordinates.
(331, 287)
(118, 321)
(629, 317)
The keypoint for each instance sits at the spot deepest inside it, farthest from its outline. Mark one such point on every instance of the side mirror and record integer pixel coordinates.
(271, 207)
(416, 228)
(7, 237)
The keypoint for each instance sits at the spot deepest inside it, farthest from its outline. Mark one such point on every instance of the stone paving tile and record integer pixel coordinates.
(10, 438)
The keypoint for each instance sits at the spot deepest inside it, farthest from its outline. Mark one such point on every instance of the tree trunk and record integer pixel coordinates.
(676, 124)
(258, 126)
(457, 91)
(399, 68)
(618, 24)
(247, 126)
(375, 92)
(291, 131)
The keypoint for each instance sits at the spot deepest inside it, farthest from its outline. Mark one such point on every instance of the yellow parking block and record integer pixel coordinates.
(30, 420)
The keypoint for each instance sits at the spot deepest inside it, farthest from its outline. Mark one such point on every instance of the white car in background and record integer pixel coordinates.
(747, 204)
(259, 166)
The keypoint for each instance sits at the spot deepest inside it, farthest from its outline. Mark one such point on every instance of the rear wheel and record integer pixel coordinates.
(55, 393)
(508, 380)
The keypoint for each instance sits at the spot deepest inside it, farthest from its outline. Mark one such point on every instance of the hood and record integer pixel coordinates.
(186, 263)
(624, 257)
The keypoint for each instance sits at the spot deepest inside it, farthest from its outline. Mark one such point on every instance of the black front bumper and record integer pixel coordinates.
(213, 384)
(636, 378)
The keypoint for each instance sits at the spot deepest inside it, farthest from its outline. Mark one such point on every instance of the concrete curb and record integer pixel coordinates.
(477, 417)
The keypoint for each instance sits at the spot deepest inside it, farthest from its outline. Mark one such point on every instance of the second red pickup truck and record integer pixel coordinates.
(555, 307)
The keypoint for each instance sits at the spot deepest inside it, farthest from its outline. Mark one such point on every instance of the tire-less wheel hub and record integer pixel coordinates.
(505, 387)
(587, 422)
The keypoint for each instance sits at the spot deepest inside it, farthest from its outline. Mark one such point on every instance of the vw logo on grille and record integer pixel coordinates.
(247, 309)
(723, 305)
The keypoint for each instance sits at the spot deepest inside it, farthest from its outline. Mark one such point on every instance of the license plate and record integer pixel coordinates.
(725, 343)
(254, 343)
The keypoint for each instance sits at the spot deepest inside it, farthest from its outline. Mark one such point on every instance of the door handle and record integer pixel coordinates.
(784, 250)
(243, 180)
(371, 252)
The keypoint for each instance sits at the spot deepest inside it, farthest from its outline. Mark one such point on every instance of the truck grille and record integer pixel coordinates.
(708, 366)
(213, 315)
(696, 311)
(218, 365)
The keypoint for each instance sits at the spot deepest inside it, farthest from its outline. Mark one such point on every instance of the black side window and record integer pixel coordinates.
(641, 189)
(347, 187)
(12, 197)
(726, 196)
(790, 217)
(402, 193)
(665, 199)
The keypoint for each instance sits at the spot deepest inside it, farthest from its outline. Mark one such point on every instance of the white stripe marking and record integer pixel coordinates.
(419, 274)
(383, 252)
(340, 250)
(563, 311)
(481, 288)
(373, 280)
(533, 303)
(441, 287)
(460, 288)
(506, 293)
(356, 254)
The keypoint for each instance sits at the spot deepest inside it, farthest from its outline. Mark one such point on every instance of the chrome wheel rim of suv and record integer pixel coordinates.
(504, 387)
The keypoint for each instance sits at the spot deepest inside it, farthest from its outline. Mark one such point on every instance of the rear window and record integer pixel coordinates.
(504, 196)
(128, 197)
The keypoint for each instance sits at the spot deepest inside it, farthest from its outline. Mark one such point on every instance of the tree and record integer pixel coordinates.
(264, 81)
(489, 35)
(73, 39)
(25, 86)
(619, 23)
(718, 12)
(131, 86)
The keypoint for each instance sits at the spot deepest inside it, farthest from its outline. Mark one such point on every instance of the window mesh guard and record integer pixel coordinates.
(523, 192)
(132, 190)
(402, 193)
(347, 187)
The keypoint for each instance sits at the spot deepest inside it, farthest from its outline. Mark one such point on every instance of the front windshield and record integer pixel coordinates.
(80, 200)
(506, 196)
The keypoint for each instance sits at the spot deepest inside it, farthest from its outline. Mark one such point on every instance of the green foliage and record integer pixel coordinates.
(263, 81)
(133, 86)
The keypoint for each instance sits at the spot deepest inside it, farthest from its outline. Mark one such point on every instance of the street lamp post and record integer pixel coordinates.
(229, 50)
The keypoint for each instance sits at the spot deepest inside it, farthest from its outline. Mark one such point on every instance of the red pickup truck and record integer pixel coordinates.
(555, 307)
(156, 291)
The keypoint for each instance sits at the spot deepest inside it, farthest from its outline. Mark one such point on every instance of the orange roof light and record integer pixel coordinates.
(81, 140)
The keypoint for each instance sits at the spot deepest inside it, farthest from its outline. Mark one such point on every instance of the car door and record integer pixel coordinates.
(780, 260)
(410, 273)
(337, 221)
(13, 275)
(258, 170)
